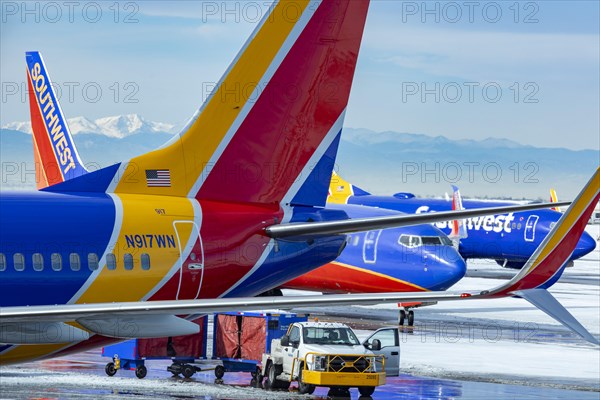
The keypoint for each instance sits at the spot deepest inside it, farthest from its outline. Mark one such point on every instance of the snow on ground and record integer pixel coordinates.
(19, 381)
(508, 338)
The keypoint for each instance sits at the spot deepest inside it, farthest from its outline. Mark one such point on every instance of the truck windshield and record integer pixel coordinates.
(338, 336)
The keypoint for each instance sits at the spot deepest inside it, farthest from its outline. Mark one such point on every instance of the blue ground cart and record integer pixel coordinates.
(182, 350)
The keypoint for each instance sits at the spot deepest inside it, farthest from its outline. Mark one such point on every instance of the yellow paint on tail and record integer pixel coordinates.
(188, 156)
(340, 190)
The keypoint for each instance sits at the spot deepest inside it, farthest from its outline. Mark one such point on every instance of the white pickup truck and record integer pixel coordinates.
(329, 354)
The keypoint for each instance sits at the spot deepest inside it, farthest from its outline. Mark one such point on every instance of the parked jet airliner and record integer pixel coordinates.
(229, 208)
(509, 239)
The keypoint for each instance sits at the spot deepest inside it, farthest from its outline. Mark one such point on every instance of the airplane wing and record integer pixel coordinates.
(366, 224)
(140, 319)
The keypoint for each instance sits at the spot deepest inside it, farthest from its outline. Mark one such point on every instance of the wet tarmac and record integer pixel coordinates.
(82, 377)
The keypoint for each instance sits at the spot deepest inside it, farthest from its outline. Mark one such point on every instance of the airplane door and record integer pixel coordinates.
(370, 246)
(390, 349)
(191, 273)
(530, 228)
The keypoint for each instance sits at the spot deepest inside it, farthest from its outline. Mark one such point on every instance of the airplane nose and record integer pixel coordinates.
(447, 266)
(585, 245)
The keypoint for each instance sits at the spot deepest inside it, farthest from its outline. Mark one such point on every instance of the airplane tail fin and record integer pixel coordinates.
(56, 158)
(459, 229)
(554, 199)
(273, 122)
(340, 190)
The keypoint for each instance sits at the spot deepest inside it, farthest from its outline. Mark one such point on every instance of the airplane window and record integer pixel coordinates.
(355, 240)
(519, 226)
(514, 225)
(145, 261)
(74, 262)
(193, 256)
(404, 239)
(446, 240)
(128, 261)
(410, 240)
(2, 262)
(431, 240)
(56, 261)
(19, 262)
(38, 262)
(93, 261)
(111, 261)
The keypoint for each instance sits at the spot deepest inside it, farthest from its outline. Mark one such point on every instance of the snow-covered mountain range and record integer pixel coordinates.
(119, 126)
(380, 162)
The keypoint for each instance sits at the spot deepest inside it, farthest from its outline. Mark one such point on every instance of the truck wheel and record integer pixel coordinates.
(270, 377)
(272, 383)
(304, 388)
(141, 371)
(110, 369)
(187, 371)
(219, 371)
(366, 390)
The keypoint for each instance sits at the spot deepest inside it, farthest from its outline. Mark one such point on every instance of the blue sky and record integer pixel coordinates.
(526, 71)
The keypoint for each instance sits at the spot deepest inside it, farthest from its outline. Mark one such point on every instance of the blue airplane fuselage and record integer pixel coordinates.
(510, 239)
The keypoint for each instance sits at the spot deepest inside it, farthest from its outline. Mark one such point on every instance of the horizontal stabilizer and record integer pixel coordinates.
(139, 326)
(542, 299)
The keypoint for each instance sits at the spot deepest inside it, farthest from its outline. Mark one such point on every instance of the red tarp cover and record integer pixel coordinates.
(227, 337)
(254, 333)
(181, 346)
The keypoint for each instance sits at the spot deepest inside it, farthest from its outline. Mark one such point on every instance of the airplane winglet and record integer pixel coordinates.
(542, 299)
(459, 229)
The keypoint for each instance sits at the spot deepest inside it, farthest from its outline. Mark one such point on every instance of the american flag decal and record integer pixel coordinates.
(158, 178)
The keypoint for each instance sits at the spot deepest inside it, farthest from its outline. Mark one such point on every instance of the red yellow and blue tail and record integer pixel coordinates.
(340, 190)
(268, 133)
(56, 158)
(274, 120)
(459, 229)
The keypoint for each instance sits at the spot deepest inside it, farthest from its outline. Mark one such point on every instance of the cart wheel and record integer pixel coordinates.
(219, 371)
(259, 381)
(187, 371)
(141, 371)
(110, 369)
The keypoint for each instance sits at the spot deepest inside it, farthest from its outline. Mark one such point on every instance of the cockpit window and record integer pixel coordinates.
(446, 241)
(416, 241)
(410, 240)
(431, 240)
